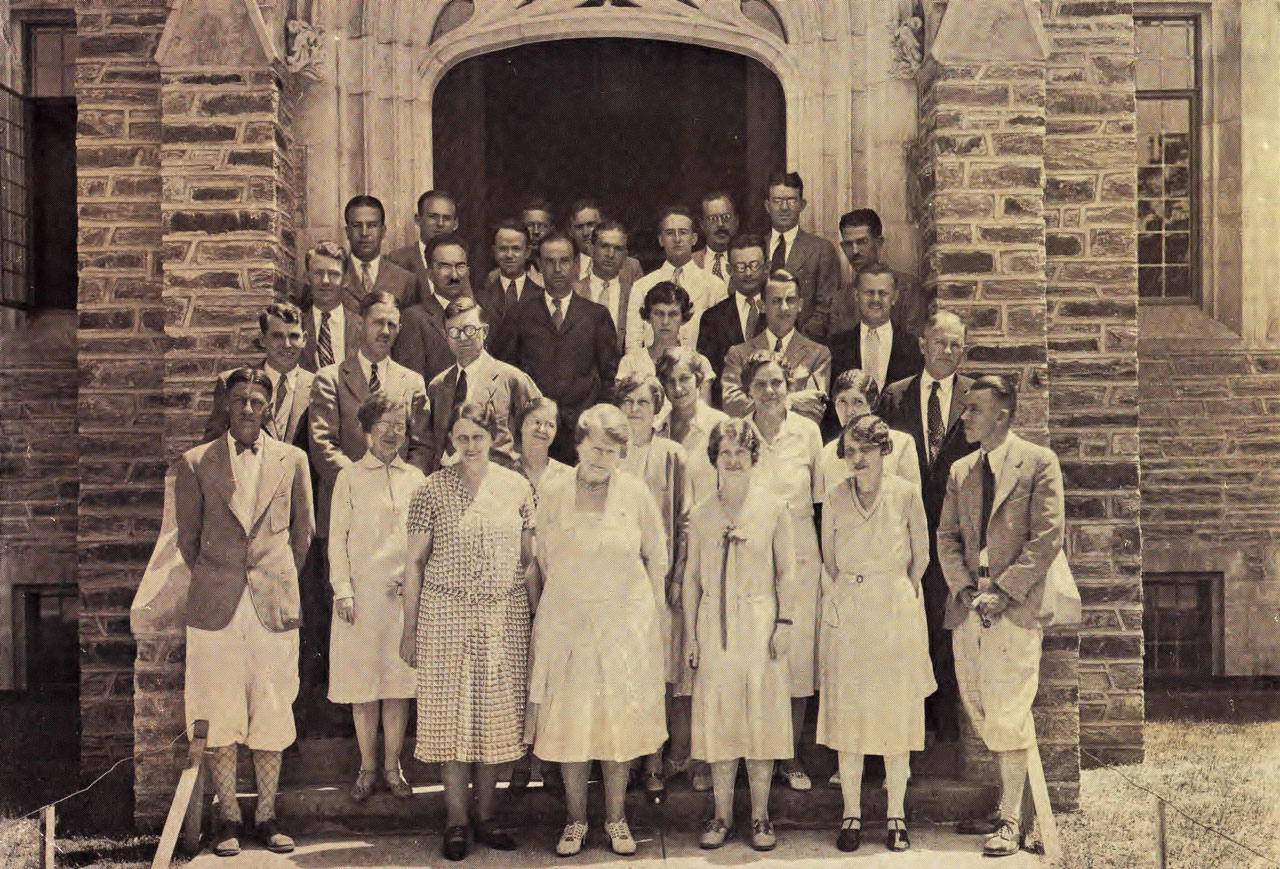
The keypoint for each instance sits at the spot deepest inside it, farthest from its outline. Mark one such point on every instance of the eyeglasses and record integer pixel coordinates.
(397, 427)
(783, 201)
(753, 266)
(456, 268)
(469, 330)
(719, 219)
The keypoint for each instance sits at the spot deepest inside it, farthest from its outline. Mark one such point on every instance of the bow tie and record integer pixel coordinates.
(240, 448)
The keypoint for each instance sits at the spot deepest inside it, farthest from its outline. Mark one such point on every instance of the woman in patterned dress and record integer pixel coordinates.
(738, 599)
(661, 463)
(597, 681)
(367, 545)
(466, 623)
(790, 450)
(875, 644)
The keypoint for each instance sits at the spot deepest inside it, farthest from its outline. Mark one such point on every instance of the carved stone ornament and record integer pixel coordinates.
(908, 41)
(308, 50)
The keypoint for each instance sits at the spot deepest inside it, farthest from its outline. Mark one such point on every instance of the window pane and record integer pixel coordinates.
(1148, 74)
(1147, 38)
(1177, 74)
(1176, 39)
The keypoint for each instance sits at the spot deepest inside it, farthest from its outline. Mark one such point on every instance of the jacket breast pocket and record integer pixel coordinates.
(278, 513)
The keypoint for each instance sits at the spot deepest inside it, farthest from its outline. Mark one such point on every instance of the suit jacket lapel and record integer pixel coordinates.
(273, 469)
(301, 401)
(956, 408)
(971, 498)
(911, 410)
(1007, 476)
(223, 481)
(353, 376)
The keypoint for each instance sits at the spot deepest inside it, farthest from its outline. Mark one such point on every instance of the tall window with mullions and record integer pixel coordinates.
(15, 285)
(1168, 104)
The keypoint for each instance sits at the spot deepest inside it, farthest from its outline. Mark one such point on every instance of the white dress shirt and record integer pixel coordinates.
(367, 366)
(358, 265)
(584, 266)
(944, 399)
(246, 470)
(504, 282)
(704, 291)
(610, 298)
(995, 457)
(291, 383)
(551, 305)
(440, 300)
(884, 332)
(709, 263)
(773, 340)
(337, 331)
(789, 235)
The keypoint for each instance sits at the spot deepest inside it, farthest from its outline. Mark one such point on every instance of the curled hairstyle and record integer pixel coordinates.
(854, 379)
(330, 249)
(251, 376)
(606, 421)
(364, 201)
(866, 428)
(534, 404)
(375, 407)
(673, 356)
(736, 430)
(480, 413)
(285, 312)
(760, 359)
(629, 384)
(667, 293)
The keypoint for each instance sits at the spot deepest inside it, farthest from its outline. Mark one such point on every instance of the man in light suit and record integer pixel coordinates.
(874, 345)
(928, 406)
(368, 270)
(420, 345)
(610, 278)
(245, 520)
(812, 260)
(565, 342)
(331, 334)
(507, 282)
(677, 237)
(730, 322)
(436, 215)
(282, 338)
(719, 224)
(475, 376)
(1002, 529)
(861, 238)
(810, 362)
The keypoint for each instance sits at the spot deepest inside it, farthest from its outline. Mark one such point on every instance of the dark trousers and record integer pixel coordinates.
(315, 715)
(941, 709)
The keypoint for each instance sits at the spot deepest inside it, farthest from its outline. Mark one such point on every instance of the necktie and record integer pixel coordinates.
(777, 346)
(366, 277)
(753, 318)
(779, 260)
(460, 389)
(871, 357)
(603, 298)
(240, 448)
(717, 268)
(675, 275)
(282, 387)
(512, 298)
(557, 316)
(934, 414)
(375, 385)
(324, 343)
(988, 498)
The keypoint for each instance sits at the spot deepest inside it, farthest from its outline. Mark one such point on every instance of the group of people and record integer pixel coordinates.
(577, 513)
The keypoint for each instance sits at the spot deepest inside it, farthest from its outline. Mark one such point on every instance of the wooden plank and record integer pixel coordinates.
(1162, 857)
(173, 824)
(193, 823)
(1044, 811)
(49, 822)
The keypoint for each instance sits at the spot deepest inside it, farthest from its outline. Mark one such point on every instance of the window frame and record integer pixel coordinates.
(1213, 583)
(27, 301)
(1195, 97)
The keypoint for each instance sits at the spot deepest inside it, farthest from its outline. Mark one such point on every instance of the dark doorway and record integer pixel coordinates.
(635, 124)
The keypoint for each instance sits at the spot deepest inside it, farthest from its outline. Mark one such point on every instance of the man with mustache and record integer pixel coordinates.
(861, 240)
(719, 224)
(421, 345)
(369, 271)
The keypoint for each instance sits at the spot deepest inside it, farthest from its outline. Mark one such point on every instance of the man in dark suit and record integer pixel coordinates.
(331, 334)
(368, 270)
(874, 345)
(282, 339)
(861, 238)
(421, 344)
(740, 317)
(437, 215)
(609, 279)
(538, 221)
(244, 518)
(508, 282)
(811, 259)
(585, 217)
(566, 343)
(928, 406)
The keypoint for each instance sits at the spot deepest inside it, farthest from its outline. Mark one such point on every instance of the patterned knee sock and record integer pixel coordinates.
(266, 768)
(221, 765)
(897, 769)
(851, 783)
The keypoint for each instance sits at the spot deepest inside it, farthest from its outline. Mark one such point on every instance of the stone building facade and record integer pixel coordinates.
(216, 139)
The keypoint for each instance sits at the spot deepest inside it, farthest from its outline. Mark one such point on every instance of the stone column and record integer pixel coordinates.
(1091, 215)
(227, 217)
(981, 158)
(120, 351)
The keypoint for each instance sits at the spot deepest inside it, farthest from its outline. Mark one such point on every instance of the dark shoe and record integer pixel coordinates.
(272, 839)
(1005, 842)
(489, 835)
(455, 843)
(981, 826)
(896, 839)
(394, 779)
(850, 835)
(654, 788)
(520, 777)
(226, 841)
(366, 780)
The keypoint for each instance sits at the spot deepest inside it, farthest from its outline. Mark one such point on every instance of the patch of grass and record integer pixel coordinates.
(1226, 776)
(20, 843)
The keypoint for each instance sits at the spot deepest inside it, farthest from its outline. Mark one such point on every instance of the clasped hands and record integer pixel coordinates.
(987, 604)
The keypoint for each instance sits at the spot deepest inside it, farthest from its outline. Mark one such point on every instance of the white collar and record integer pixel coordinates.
(996, 456)
(945, 385)
(441, 301)
(475, 364)
(335, 314)
(373, 265)
(789, 235)
(551, 303)
(773, 339)
(366, 365)
(274, 376)
(884, 331)
(231, 443)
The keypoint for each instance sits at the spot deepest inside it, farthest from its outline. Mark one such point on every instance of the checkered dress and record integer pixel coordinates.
(473, 618)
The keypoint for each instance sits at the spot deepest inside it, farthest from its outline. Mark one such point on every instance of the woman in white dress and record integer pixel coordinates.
(662, 464)
(738, 607)
(875, 644)
(683, 373)
(597, 680)
(850, 395)
(790, 451)
(666, 307)
(534, 429)
(367, 545)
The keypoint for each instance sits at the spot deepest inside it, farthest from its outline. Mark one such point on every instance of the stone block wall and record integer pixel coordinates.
(121, 345)
(1091, 246)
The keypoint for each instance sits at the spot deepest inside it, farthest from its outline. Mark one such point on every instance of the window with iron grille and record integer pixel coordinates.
(15, 283)
(1168, 104)
(1182, 624)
